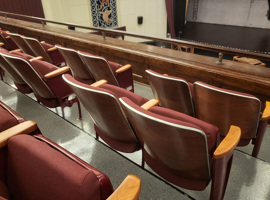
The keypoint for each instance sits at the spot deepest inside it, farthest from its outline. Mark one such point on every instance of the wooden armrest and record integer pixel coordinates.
(123, 68)
(128, 190)
(57, 72)
(52, 49)
(16, 50)
(149, 104)
(42, 42)
(165, 74)
(266, 112)
(36, 58)
(99, 83)
(7, 37)
(7, 31)
(228, 143)
(1, 44)
(22, 128)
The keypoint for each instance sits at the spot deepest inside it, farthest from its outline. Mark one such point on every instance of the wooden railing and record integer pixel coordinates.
(219, 49)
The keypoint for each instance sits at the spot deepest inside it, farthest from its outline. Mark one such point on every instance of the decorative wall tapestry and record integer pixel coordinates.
(104, 13)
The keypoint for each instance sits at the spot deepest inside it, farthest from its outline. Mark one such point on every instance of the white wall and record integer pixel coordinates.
(70, 11)
(248, 13)
(79, 12)
(154, 17)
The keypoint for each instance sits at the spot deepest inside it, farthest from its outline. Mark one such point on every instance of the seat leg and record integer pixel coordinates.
(220, 177)
(97, 136)
(63, 112)
(142, 160)
(79, 110)
(259, 138)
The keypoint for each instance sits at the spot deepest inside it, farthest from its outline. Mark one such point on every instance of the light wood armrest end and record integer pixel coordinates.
(266, 112)
(149, 104)
(228, 143)
(22, 128)
(7, 31)
(99, 83)
(16, 50)
(165, 74)
(123, 68)
(7, 37)
(52, 49)
(36, 58)
(128, 190)
(57, 72)
(42, 42)
(1, 44)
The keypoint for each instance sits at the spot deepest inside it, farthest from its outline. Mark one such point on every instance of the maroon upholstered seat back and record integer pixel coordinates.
(223, 108)
(176, 150)
(76, 65)
(21, 43)
(32, 76)
(37, 48)
(106, 112)
(37, 170)
(99, 67)
(172, 92)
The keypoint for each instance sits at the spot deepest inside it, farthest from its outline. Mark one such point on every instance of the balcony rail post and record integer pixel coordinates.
(220, 57)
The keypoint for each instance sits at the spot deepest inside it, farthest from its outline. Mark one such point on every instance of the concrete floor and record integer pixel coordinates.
(249, 178)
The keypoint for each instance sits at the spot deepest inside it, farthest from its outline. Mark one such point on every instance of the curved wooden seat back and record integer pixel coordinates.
(75, 63)
(11, 72)
(99, 67)
(37, 48)
(222, 108)
(30, 76)
(21, 43)
(107, 115)
(172, 92)
(177, 151)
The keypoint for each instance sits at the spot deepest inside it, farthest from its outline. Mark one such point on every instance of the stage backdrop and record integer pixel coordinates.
(104, 13)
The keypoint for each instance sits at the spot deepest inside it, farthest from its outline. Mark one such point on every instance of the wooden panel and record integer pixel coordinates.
(192, 67)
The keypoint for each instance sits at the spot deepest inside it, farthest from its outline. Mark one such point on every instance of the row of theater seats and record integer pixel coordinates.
(33, 167)
(180, 148)
(214, 105)
(179, 145)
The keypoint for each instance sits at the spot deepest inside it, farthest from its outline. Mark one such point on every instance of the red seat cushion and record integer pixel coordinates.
(211, 131)
(38, 171)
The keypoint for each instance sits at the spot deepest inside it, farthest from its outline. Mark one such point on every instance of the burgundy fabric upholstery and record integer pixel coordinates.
(46, 173)
(8, 117)
(103, 106)
(103, 69)
(172, 92)
(4, 193)
(211, 131)
(175, 149)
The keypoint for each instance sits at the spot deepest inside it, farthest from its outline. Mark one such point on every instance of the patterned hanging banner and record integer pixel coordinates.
(104, 13)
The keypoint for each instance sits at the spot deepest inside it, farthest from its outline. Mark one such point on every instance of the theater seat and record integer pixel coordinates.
(44, 79)
(48, 52)
(23, 46)
(14, 75)
(101, 102)
(6, 39)
(114, 73)
(182, 149)
(223, 107)
(38, 168)
(172, 92)
(78, 69)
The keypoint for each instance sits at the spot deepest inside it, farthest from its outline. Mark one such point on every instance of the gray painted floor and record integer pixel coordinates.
(249, 179)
